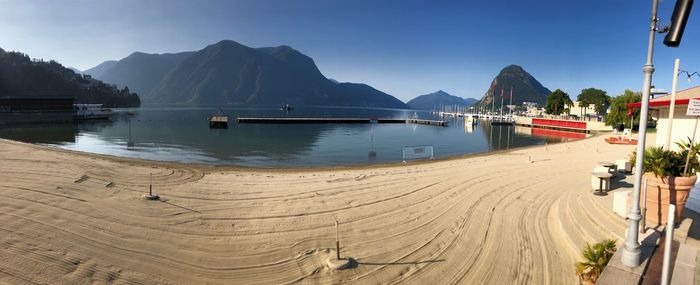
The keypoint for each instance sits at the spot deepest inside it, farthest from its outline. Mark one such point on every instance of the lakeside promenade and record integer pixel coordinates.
(73, 218)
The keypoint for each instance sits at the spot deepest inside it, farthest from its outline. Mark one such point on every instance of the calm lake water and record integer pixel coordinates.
(183, 135)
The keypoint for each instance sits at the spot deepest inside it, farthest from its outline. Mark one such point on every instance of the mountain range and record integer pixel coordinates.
(525, 88)
(437, 99)
(231, 73)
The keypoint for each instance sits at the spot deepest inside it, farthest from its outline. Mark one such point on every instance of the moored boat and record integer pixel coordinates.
(91, 112)
(287, 108)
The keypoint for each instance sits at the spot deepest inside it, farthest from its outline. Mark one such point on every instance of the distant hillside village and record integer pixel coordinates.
(22, 77)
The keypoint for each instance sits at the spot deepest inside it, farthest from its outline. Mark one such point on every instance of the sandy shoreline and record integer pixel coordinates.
(75, 218)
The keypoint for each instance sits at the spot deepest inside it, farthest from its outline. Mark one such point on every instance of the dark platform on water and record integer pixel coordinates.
(316, 121)
(218, 122)
(337, 121)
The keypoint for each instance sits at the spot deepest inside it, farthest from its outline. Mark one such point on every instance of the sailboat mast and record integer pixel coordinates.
(502, 102)
(511, 101)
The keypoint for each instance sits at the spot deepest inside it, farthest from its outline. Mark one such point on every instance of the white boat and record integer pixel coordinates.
(91, 112)
(287, 108)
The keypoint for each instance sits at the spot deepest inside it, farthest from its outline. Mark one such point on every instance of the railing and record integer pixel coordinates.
(559, 123)
(557, 134)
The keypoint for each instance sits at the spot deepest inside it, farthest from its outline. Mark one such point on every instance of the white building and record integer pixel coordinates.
(682, 124)
(582, 110)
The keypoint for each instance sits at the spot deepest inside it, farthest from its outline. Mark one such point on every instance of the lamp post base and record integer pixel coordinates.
(631, 257)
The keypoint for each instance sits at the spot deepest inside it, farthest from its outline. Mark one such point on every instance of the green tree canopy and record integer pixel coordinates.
(597, 97)
(556, 102)
(618, 108)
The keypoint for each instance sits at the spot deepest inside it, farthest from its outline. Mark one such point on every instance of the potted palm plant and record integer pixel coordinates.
(670, 175)
(596, 257)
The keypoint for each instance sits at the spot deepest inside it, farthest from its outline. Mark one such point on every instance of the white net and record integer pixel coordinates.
(417, 152)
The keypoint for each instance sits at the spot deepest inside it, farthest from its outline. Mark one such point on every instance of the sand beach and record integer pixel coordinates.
(78, 218)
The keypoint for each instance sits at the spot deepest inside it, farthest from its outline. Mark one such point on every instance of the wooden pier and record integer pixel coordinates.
(262, 120)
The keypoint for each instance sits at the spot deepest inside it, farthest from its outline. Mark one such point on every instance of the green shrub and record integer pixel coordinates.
(596, 257)
(663, 162)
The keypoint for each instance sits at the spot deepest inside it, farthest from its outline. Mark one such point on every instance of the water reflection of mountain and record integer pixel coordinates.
(190, 129)
(183, 134)
(52, 133)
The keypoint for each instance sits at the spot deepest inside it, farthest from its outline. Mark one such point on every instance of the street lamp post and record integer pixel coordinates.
(631, 250)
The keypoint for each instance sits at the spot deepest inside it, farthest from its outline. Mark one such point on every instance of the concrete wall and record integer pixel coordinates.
(598, 126)
(523, 120)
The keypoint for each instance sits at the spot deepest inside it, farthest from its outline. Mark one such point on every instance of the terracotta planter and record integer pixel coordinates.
(662, 191)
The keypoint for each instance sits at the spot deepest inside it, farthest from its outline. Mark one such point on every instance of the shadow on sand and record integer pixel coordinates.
(400, 263)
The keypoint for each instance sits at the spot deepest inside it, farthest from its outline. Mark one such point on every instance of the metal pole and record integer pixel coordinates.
(690, 150)
(673, 103)
(493, 103)
(501, 102)
(631, 123)
(631, 250)
(643, 224)
(337, 242)
(665, 277)
(511, 100)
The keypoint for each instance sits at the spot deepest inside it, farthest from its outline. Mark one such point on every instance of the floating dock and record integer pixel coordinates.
(337, 121)
(218, 122)
(427, 122)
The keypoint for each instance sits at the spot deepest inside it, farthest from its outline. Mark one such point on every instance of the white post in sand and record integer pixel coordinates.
(334, 262)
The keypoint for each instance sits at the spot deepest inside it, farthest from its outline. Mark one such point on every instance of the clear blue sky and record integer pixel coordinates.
(404, 48)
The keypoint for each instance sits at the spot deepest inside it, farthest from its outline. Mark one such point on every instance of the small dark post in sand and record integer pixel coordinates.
(150, 189)
(337, 241)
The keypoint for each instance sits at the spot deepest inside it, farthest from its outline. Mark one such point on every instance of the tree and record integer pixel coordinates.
(556, 102)
(569, 107)
(618, 108)
(597, 97)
